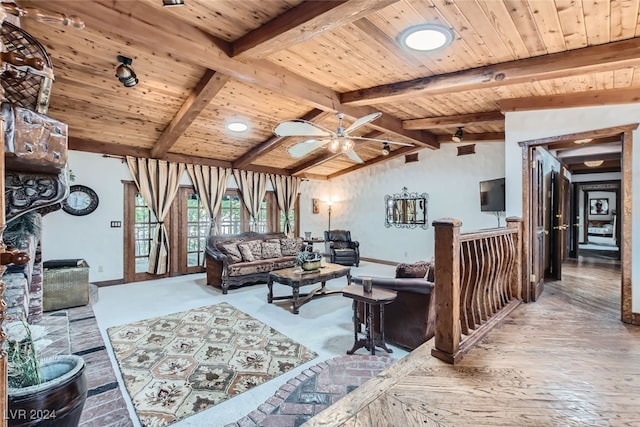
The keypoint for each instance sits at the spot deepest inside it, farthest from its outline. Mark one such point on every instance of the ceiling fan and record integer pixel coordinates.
(338, 141)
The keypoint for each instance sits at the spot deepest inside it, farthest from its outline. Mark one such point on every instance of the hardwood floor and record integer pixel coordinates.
(564, 360)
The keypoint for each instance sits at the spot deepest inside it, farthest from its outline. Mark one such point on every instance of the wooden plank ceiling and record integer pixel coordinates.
(207, 63)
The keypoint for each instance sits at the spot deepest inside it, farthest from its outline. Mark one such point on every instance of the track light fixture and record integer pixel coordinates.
(171, 3)
(125, 73)
(458, 136)
(385, 149)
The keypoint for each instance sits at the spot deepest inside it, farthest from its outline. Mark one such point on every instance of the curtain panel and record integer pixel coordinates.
(158, 182)
(253, 187)
(286, 189)
(210, 183)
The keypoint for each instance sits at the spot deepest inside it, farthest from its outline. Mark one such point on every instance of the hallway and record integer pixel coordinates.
(564, 360)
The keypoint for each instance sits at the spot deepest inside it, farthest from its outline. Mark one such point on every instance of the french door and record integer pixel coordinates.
(187, 222)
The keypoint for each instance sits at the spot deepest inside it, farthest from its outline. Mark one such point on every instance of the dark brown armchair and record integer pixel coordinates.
(410, 319)
(341, 249)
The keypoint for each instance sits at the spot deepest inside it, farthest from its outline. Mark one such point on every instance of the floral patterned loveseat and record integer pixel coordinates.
(247, 258)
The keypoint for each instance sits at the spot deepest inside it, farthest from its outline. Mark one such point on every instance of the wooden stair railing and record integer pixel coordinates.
(478, 283)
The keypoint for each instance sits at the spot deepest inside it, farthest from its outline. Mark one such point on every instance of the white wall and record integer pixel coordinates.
(451, 181)
(90, 236)
(527, 125)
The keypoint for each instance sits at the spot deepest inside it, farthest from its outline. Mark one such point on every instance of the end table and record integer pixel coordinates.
(377, 298)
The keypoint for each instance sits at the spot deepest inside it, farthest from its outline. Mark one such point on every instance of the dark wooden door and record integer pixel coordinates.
(537, 225)
(558, 237)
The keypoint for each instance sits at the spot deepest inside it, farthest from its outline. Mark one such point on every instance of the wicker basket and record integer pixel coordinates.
(65, 287)
(27, 88)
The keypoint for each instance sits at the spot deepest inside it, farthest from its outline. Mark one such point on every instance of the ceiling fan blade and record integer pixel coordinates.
(362, 121)
(300, 128)
(301, 149)
(362, 138)
(353, 156)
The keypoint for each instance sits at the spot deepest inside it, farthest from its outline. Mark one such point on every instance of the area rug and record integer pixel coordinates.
(177, 365)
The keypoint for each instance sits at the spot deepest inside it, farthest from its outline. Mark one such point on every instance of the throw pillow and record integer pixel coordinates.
(271, 250)
(245, 250)
(256, 248)
(290, 247)
(416, 269)
(231, 251)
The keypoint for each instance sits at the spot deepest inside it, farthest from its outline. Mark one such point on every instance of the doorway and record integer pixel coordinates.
(598, 231)
(620, 133)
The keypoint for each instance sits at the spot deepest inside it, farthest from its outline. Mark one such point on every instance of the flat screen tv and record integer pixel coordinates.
(492, 195)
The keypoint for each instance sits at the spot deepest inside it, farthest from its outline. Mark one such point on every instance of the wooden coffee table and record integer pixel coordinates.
(296, 278)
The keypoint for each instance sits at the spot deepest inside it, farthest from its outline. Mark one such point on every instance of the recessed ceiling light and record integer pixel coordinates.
(237, 126)
(583, 140)
(426, 37)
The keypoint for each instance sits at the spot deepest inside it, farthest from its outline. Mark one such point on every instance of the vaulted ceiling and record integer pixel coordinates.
(209, 62)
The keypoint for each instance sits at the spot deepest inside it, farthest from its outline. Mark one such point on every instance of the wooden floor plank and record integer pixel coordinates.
(566, 359)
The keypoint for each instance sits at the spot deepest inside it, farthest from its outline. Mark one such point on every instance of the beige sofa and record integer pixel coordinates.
(247, 258)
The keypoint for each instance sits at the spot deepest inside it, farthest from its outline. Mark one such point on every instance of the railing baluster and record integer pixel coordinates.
(478, 281)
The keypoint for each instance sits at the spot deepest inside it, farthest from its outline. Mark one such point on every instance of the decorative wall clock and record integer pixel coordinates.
(82, 200)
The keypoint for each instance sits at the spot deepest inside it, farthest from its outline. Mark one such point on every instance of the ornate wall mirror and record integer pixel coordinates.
(406, 210)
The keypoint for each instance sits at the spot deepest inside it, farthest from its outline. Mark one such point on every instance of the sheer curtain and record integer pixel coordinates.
(158, 182)
(210, 183)
(286, 189)
(253, 187)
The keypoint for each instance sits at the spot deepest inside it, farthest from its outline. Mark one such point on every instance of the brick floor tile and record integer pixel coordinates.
(296, 408)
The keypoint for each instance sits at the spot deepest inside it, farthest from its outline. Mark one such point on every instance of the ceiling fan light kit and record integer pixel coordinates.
(386, 150)
(338, 141)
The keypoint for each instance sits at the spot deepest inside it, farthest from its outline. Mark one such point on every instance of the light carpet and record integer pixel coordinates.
(177, 365)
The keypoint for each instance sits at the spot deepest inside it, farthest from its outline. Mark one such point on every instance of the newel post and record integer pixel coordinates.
(516, 280)
(447, 288)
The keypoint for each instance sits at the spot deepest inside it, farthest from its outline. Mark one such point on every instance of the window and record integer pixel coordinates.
(263, 217)
(198, 226)
(230, 214)
(144, 225)
(292, 220)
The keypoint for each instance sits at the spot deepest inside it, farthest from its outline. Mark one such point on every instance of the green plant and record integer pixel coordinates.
(307, 256)
(22, 345)
(19, 229)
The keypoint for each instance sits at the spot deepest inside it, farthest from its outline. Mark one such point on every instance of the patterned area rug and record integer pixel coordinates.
(177, 365)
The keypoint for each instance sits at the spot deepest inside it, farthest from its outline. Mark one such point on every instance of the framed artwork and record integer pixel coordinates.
(599, 206)
(315, 206)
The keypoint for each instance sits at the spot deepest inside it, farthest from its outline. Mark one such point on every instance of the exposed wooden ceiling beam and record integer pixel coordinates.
(91, 146)
(206, 89)
(596, 133)
(606, 57)
(475, 137)
(581, 99)
(571, 160)
(608, 140)
(313, 162)
(453, 121)
(303, 22)
(273, 143)
(164, 34)
(395, 153)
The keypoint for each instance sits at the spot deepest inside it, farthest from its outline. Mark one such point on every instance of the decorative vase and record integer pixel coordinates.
(57, 402)
(310, 265)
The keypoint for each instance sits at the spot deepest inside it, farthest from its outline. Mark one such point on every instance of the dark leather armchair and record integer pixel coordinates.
(410, 319)
(341, 249)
